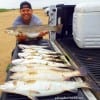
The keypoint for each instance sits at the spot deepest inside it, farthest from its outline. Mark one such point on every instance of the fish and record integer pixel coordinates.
(45, 74)
(31, 54)
(32, 67)
(37, 61)
(25, 46)
(39, 88)
(27, 53)
(35, 29)
(39, 50)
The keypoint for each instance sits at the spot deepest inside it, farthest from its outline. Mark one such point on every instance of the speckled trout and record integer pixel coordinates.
(32, 31)
(40, 87)
(45, 74)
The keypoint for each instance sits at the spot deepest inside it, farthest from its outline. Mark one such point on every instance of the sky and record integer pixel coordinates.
(10, 4)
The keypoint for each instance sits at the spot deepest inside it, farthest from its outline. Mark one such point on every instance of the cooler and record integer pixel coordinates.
(86, 25)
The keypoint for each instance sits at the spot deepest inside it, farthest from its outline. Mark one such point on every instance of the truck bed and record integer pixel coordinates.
(86, 58)
(65, 95)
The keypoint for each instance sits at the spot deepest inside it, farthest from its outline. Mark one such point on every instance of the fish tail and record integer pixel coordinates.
(93, 85)
(31, 95)
(85, 85)
(78, 72)
(59, 28)
(89, 84)
(83, 71)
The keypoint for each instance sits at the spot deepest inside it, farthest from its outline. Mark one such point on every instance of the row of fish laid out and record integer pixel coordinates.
(38, 50)
(39, 54)
(41, 74)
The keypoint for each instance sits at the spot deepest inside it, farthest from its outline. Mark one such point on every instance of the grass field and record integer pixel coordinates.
(4, 10)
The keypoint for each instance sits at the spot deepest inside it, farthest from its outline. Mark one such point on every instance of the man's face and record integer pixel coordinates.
(26, 13)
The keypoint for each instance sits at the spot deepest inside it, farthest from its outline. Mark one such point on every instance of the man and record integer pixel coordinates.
(27, 18)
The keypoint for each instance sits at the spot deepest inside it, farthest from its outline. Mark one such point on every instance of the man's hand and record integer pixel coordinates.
(43, 33)
(21, 37)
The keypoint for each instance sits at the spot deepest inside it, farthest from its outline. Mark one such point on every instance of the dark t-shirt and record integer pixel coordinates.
(34, 21)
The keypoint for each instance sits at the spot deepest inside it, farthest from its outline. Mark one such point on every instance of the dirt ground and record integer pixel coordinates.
(7, 42)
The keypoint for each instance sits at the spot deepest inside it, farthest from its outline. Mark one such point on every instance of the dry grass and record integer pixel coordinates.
(7, 42)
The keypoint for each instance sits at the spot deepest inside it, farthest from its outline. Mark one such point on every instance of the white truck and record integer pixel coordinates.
(79, 39)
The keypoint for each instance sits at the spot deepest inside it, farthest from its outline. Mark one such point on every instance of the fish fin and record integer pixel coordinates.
(67, 67)
(34, 98)
(32, 93)
(85, 85)
(93, 85)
